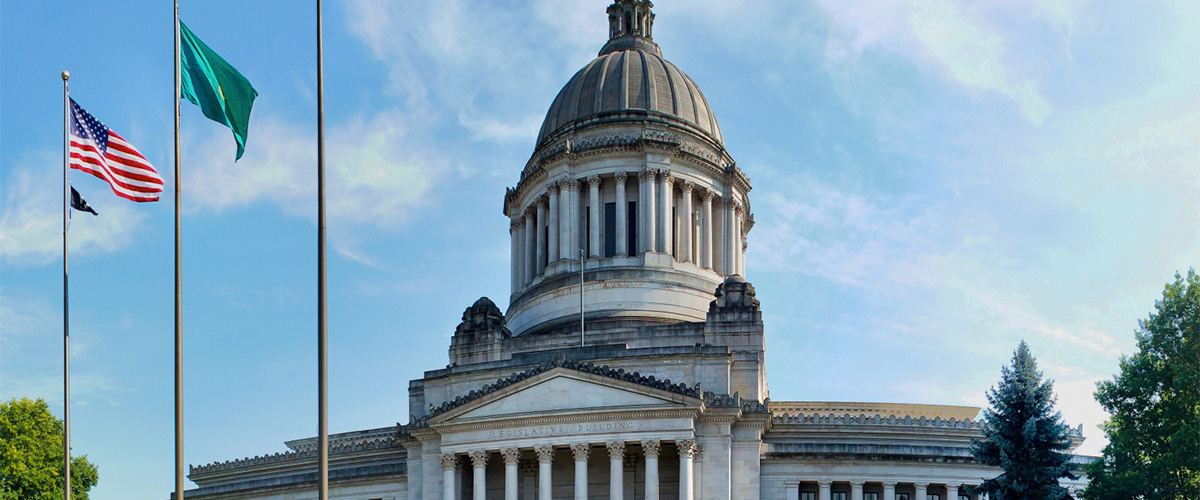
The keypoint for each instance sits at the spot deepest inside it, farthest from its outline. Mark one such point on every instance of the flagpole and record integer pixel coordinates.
(322, 320)
(66, 314)
(178, 290)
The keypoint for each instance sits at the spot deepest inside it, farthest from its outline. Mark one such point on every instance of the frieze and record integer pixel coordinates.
(604, 371)
(555, 430)
(891, 420)
(294, 456)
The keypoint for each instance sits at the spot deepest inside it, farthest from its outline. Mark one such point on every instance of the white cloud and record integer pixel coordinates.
(376, 168)
(31, 224)
(972, 46)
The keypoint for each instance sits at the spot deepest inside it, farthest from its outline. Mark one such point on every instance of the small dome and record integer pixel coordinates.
(630, 80)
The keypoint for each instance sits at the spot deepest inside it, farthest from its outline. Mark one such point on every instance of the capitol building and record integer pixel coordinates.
(646, 382)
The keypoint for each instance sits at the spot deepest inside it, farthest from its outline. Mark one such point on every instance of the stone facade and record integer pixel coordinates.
(662, 392)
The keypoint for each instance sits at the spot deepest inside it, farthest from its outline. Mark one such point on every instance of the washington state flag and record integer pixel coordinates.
(223, 94)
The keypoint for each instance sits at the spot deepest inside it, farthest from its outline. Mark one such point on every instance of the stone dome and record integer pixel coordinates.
(630, 80)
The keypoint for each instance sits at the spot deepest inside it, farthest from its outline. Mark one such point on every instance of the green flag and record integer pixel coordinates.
(208, 81)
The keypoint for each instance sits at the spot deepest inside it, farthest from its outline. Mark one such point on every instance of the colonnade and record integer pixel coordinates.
(920, 491)
(692, 223)
(580, 451)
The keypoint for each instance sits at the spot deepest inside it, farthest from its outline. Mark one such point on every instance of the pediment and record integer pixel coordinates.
(561, 390)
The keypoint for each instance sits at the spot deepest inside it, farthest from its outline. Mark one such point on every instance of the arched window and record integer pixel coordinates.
(628, 23)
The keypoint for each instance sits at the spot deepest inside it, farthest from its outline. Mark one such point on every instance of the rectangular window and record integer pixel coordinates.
(675, 236)
(631, 229)
(933, 496)
(610, 229)
(874, 496)
(839, 496)
(808, 495)
(587, 231)
(902, 496)
(964, 497)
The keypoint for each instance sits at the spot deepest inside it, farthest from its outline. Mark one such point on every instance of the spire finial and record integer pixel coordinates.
(630, 26)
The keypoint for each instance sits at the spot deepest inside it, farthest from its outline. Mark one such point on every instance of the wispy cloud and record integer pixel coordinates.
(31, 219)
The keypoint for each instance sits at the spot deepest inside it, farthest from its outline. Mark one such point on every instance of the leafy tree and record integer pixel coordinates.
(31, 447)
(1154, 433)
(1023, 435)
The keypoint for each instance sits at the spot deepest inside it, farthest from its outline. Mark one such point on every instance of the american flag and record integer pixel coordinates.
(101, 152)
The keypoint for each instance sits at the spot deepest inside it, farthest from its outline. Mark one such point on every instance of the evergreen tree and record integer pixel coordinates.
(1024, 436)
(1154, 433)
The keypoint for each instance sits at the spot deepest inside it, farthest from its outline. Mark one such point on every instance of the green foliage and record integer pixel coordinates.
(1154, 433)
(31, 448)
(1023, 435)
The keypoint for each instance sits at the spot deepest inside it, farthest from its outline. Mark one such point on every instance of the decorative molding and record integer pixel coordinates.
(449, 461)
(545, 452)
(552, 187)
(651, 447)
(571, 184)
(593, 180)
(581, 451)
(697, 452)
(479, 458)
(621, 177)
(583, 367)
(511, 455)
(891, 420)
(616, 449)
(687, 187)
(687, 447)
(335, 448)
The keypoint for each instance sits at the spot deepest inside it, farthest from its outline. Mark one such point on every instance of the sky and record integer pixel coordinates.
(934, 181)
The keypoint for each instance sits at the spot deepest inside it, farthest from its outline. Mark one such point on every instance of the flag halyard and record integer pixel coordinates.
(99, 151)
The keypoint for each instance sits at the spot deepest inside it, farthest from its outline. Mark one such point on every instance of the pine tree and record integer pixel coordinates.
(1153, 451)
(1024, 436)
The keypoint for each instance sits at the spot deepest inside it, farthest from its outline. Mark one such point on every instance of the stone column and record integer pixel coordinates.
(686, 447)
(706, 241)
(514, 236)
(552, 224)
(921, 491)
(649, 233)
(737, 240)
(449, 463)
(823, 490)
(511, 456)
(697, 470)
(581, 451)
(532, 235)
(686, 225)
(616, 469)
(664, 210)
(889, 491)
(650, 449)
(597, 216)
(570, 250)
(856, 490)
(622, 215)
(730, 264)
(479, 460)
(951, 492)
(545, 454)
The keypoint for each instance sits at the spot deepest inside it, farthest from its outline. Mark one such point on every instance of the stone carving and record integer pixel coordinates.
(511, 455)
(891, 420)
(449, 461)
(552, 187)
(545, 452)
(622, 176)
(581, 451)
(734, 293)
(481, 316)
(479, 458)
(687, 447)
(651, 448)
(604, 371)
(698, 452)
(593, 180)
(687, 187)
(616, 449)
(335, 448)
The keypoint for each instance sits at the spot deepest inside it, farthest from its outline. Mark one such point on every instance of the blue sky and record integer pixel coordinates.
(933, 182)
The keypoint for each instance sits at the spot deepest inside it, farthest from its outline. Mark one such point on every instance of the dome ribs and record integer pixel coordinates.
(684, 105)
(636, 88)
(613, 79)
(662, 96)
(587, 97)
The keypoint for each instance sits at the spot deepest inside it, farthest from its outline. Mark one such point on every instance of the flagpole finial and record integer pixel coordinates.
(66, 75)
